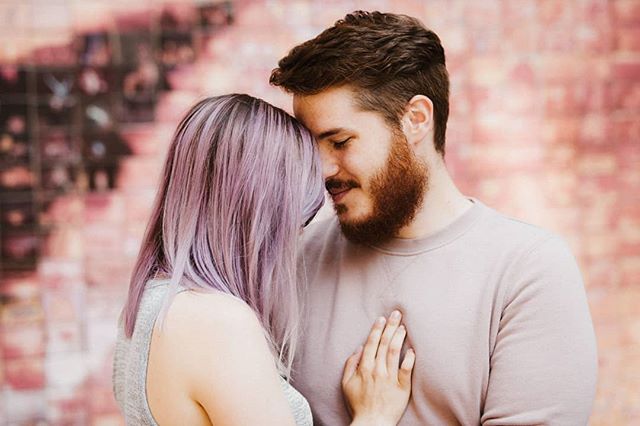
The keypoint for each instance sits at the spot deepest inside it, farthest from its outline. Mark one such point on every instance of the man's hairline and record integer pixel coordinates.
(357, 104)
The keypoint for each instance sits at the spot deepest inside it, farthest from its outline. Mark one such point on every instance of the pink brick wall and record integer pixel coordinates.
(545, 125)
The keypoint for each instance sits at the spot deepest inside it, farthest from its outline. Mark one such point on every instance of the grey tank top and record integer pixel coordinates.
(132, 355)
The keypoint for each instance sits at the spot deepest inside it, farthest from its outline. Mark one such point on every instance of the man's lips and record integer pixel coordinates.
(338, 194)
(338, 189)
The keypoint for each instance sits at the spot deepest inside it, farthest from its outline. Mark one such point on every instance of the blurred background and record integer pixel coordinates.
(545, 126)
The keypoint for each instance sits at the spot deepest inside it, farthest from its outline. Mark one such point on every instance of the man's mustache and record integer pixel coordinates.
(339, 185)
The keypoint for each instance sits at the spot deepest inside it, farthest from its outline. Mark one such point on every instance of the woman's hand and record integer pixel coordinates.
(375, 387)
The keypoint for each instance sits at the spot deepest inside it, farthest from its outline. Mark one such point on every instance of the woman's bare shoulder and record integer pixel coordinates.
(217, 344)
(216, 315)
(225, 358)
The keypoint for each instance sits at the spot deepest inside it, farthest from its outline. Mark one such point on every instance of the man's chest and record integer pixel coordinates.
(451, 323)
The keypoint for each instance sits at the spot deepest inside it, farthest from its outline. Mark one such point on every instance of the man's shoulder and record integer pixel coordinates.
(524, 246)
(507, 231)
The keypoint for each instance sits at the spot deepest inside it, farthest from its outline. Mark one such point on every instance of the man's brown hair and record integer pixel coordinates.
(387, 58)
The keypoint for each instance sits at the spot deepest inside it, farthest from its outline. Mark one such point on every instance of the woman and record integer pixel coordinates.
(217, 271)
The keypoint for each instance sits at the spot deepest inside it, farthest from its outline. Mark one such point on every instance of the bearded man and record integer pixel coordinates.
(494, 308)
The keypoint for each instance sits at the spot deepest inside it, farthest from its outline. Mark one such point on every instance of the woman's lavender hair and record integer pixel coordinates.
(241, 179)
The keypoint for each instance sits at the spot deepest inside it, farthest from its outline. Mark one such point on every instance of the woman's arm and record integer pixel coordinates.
(231, 372)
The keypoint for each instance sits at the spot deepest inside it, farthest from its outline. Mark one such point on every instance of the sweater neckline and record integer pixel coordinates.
(442, 237)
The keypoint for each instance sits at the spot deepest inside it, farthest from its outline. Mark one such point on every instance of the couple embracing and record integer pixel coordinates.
(413, 305)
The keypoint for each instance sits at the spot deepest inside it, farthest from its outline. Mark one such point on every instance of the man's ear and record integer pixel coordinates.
(417, 120)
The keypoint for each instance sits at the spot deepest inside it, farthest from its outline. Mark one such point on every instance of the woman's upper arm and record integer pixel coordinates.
(234, 377)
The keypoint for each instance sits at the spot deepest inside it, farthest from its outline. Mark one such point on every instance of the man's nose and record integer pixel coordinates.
(329, 164)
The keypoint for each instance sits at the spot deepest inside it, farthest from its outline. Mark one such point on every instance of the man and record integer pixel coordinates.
(495, 309)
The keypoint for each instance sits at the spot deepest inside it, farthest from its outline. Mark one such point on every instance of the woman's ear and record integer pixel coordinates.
(417, 121)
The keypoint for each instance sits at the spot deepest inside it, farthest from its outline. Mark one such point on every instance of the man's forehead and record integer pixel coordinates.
(325, 110)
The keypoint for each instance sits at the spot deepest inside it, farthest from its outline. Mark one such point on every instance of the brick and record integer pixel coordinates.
(597, 164)
(558, 99)
(20, 287)
(25, 406)
(15, 18)
(100, 241)
(64, 243)
(488, 71)
(512, 130)
(64, 337)
(523, 72)
(142, 140)
(456, 45)
(445, 12)
(625, 131)
(560, 130)
(519, 22)
(566, 68)
(172, 106)
(559, 156)
(25, 373)
(65, 304)
(628, 39)
(21, 312)
(66, 369)
(64, 210)
(55, 274)
(593, 28)
(630, 271)
(107, 273)
(625, 94)
(107, 419)
(626, 12)
(594, 131)
(626, 70)
(104, 208)
(629, 157)
(67, 406)
(139, 173)
(601, 273)
(102, 402)
(23, 340)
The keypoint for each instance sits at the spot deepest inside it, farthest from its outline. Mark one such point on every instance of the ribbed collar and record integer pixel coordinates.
(451, 232)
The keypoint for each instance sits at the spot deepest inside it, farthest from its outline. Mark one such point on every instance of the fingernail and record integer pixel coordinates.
(395, 314)
(381, 320)
(401, 328)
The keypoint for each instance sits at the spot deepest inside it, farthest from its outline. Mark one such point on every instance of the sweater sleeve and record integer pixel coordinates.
(544, 363)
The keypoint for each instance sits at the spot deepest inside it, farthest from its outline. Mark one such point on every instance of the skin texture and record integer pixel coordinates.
(333, 119)
(396, 193)
(333, 116)
(374, 381)
(211, 357)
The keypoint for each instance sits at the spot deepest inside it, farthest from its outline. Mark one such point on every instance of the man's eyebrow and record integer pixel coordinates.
(330, 132)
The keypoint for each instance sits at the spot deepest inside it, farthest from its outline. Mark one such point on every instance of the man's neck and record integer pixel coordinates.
(443, 203)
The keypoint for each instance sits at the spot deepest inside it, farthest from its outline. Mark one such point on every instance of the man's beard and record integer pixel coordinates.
(397, 192)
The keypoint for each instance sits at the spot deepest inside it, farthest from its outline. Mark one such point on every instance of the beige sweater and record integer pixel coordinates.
(495, 309)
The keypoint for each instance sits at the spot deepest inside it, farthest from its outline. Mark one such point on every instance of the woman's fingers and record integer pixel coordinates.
(395, 347)
(385, 341)
(351, 365)
(367, 362)
(404, 375)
